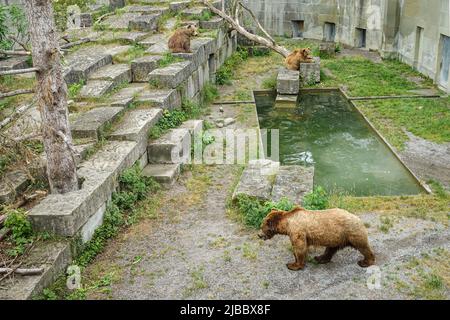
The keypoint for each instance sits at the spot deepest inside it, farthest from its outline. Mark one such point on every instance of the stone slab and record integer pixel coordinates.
(145, 22)
(164, 98)
(11, 184)
(65, 214)
(91, 123)
(310, 72)
(13, 63)
(171, 76)
(120, 21)
(213, 23)
(293, 183)
(81, 64)
(286, 101)
(196, 11)
(288, 81)
(52, 256)
(173, 147)
(96, 88)
(179, 5)
(158, 48)
(256, 179)
(141, 67)
(130, 36)
(118, 73)
(136, 124)
(124, 97)
(165, 174)
(154, 39)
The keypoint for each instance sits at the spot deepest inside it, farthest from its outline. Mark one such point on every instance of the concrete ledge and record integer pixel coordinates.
(310, 72)
(171, 76)
(288, 81)
(65, 214)
(293, 183)
(173, 147)
(53, 256)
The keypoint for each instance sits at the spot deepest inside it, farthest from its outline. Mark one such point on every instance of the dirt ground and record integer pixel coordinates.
(196, 248)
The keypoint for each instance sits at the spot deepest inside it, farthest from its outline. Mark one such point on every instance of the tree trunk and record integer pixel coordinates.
(51, 94)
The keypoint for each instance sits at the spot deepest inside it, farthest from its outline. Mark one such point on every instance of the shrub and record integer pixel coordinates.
(254, 211)
(270, 83)
(226, 71)
(316, 200)
(21, 231)
(60, 10)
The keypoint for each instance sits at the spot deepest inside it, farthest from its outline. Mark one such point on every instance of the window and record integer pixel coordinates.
(298, 27)
(360, 41)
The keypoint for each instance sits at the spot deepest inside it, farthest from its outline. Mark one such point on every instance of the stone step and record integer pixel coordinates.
(12, 184)
(145, 22)
(256, 180)
(154, 39)
(13, 63)
(288, 81)
(127, 36)
(81, 212)
(141, 67)
(124, 97)
(293, 183)
(80, 65)
(120, 21)
(117, 73)
(147, 9)
(53, 256)
(173, 147)
(96, 88)
(171, 76)
(159, 48)
(310, 72)
(213, 23)
(196, 11)
(165, 174)
(179, 5)
(136, 125)
(92, 124)
(167, 99)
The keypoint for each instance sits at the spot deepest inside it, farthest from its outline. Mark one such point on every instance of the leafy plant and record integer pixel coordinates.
(12, 23)
(21, 231)
(75, 88)
(226, 71)
(270, 83)
(318, 199)
(253, 211)
(60, 10)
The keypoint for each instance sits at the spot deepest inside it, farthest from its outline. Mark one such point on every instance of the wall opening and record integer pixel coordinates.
(329, 32)
(298, 27)
(417, 48)
(444, 61)
(360, 38)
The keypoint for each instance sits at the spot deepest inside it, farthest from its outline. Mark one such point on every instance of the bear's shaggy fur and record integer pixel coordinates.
(301, 55)
(180, 41)
(333, 229)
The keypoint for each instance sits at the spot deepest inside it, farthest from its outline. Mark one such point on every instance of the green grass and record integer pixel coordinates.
(425, 118)
(136, 51)
(167, 59)
(363, 77)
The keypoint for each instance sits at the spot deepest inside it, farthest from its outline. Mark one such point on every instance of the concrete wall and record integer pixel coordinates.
(390, 27)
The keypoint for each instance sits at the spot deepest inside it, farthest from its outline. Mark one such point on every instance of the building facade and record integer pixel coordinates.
(415, 31)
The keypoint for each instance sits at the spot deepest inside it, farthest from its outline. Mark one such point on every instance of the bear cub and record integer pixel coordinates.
(180, 41)
(301, 55)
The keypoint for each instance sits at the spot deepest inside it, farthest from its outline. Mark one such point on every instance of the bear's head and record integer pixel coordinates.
(269, 226)
(302, 54)
(192, 30)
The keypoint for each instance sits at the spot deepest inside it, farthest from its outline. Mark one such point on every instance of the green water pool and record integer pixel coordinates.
(325, 131)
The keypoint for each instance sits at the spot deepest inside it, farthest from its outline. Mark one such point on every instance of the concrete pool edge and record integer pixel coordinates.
(420, 183)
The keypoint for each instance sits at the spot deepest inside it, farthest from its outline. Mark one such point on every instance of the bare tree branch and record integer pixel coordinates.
(240, 29)
(75, 43)
(18, 71)
(257, 22)
(15, 53)
(15, 93)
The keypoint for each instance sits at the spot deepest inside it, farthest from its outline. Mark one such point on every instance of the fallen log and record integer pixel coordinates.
(22, 271)
(15, 53)
(18, 71)
(75, 43)
(15, 93)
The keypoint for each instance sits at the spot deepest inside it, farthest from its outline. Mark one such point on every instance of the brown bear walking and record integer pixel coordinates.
(180, 41)
(334, 229)
(302, 55)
